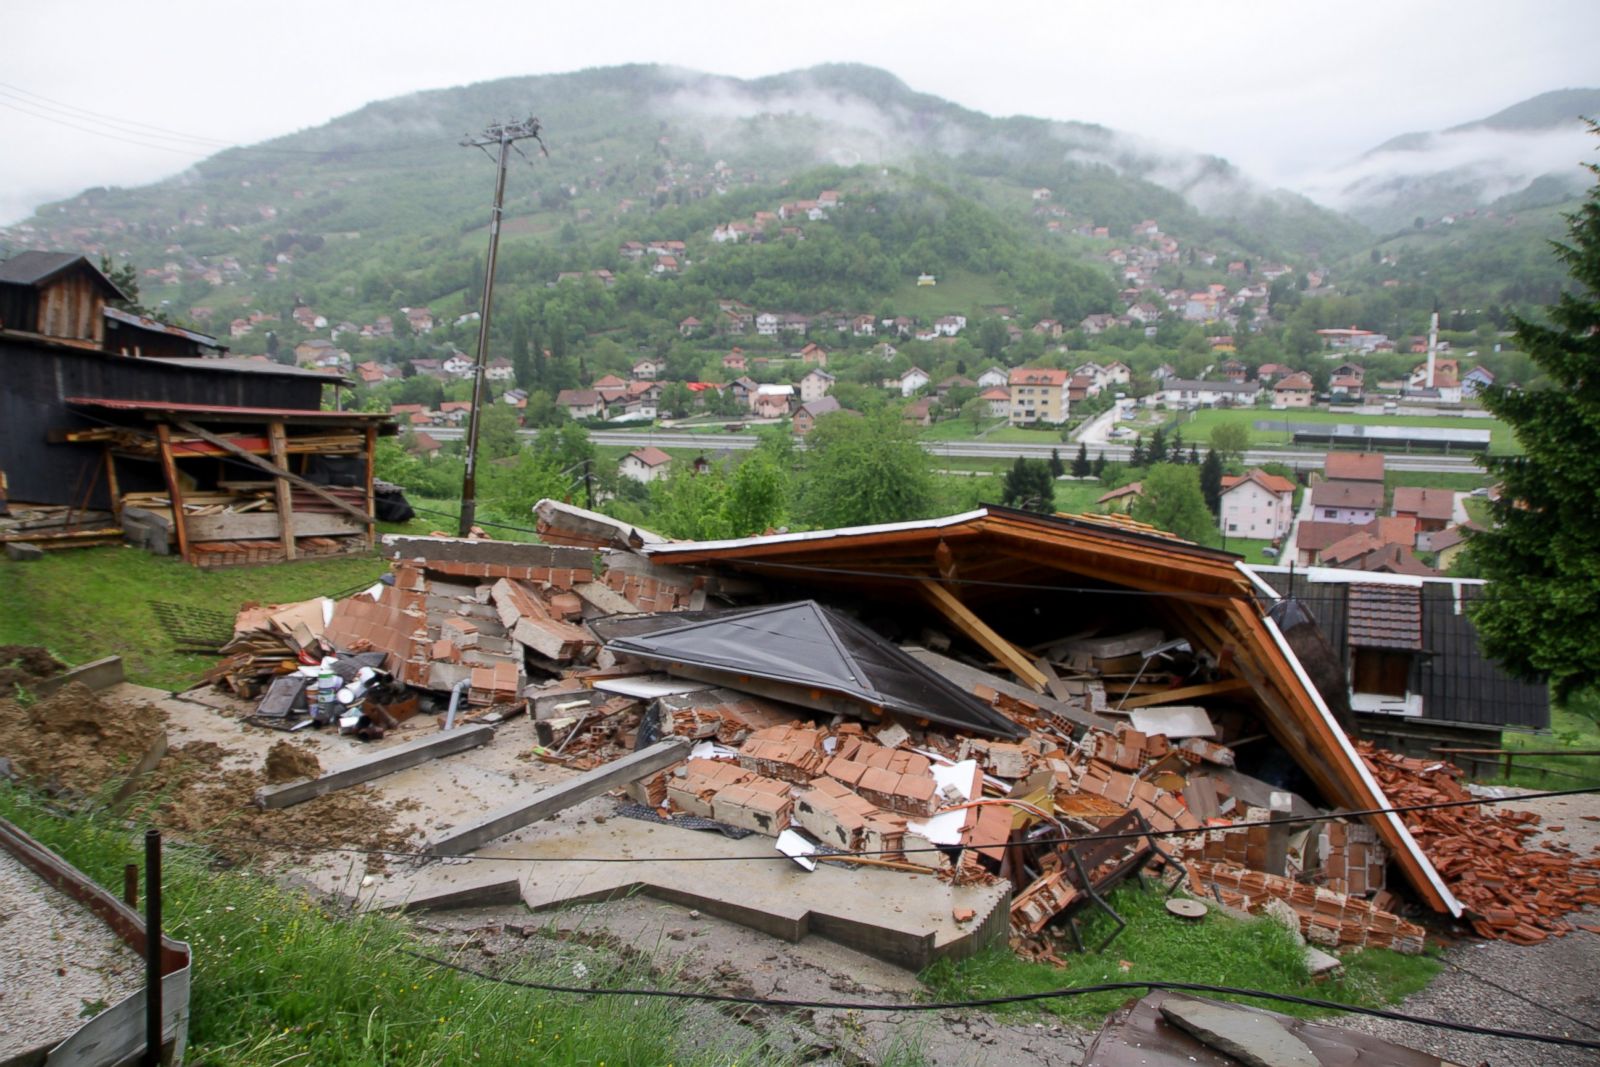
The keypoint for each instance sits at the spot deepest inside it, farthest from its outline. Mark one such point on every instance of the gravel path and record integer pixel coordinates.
(59, 964)
(1551, 988)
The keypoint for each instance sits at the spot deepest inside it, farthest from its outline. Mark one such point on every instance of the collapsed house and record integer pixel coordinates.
(1054, 704)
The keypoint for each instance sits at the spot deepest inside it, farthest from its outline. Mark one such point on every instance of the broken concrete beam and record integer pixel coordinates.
(481, 895)
(523, 614)
(507, 554)
(385, 761)
(603, 599)
(96, 674)
(23, 551)
(559, 797)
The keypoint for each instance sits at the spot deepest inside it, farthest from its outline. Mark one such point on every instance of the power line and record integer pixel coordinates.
(1014, 998)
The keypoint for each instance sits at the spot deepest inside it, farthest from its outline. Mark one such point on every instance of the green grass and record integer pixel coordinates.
(958, 293)
(1575, 726)
(1219, 950)
(1478, 510)
(1250, 549)
(85, 603)
(1456, 481)
(277, 980)
(1197, 425)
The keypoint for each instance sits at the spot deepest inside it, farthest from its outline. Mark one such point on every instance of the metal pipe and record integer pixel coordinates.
(152, 947)
(455, 700)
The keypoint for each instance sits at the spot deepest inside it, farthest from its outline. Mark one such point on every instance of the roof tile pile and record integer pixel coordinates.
(1518, 893)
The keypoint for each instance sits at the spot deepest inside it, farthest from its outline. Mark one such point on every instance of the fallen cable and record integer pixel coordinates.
(1014, 998)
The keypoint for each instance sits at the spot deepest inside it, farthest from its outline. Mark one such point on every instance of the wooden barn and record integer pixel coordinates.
(223, 460)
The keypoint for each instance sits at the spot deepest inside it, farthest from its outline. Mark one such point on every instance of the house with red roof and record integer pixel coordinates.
(1430, 509)
(645, 464)
(1257, 505)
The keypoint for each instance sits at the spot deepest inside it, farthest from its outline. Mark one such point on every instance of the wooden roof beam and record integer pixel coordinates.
(961, 617)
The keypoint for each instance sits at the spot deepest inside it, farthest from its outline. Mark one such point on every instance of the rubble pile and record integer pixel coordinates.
(1518, 893)
(1128, 752)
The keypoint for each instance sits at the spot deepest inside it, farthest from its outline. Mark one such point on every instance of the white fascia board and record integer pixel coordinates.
(815, 535)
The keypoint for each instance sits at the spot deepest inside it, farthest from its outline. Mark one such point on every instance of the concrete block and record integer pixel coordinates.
(23, 552)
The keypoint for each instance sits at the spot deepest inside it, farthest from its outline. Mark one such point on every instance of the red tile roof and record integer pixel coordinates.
(1354, 466)
(1425, 503)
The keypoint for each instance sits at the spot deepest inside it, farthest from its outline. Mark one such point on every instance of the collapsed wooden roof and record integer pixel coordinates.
(994, 572)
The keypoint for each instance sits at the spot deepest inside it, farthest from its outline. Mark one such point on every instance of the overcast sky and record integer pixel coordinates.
(1283, 88)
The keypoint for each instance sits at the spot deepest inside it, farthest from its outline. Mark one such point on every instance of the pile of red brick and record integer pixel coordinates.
(1327, 917)
(1513, 891)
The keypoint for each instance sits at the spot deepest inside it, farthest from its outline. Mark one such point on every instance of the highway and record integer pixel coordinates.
(712, 441)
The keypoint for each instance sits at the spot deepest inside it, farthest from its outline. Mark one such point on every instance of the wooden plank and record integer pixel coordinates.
(1186, 693)
(111, 485)
(271, 468)
(1052, 681)
(385, 761)
(280, 488)
(1014, 659)
(169, 467)
(372, 458)
(558, 798)
(263, 526)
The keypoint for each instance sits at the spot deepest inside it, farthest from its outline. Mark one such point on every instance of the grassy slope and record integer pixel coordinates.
(1157, 946)
(957, 293)
(278, 981)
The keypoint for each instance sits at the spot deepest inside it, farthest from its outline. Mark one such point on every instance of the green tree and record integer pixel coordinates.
(1156, 451)
(1211, 481)
(497, 431)
(1057, 468)
(1100, 466)
(865, 470)
(758, 494)
(1081, 467)
(1138, 457)
(1231, 440)
(1541, 616)
(1171, 500)
(1028, 485)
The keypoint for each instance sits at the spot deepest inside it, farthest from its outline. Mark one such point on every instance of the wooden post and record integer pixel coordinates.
(111, 484)
(280, 487)
(169, 467)
(372, 455)
(962, 618)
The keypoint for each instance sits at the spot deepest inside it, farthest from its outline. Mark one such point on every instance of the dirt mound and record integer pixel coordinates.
(73, 741)
(287, 761)
(22, 666)
(198, 799)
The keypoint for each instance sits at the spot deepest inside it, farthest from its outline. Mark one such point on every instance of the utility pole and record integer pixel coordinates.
(506, 135)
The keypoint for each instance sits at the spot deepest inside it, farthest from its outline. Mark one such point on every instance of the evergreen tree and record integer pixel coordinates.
(1157, 452)
(1100, 466)
(1137, 458)
(1541, 616)
(1057, 468)
(1176, 454)
(1081, 467)
(1194, 456)
(1028, 486)
(521, 355)
(1211, 481)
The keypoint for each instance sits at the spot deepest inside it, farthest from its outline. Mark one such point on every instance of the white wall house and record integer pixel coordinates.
(1257, 505)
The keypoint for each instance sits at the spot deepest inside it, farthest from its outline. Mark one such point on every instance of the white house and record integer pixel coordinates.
(815, 385)
(767, 324)
(772, 401)
(950, 325)
(458, 365)
(1257, 505)
(999, 400)
(992, 378)
(645, 464)
(648, 369)
(499, 369)
(1186, 392)
(909, 382)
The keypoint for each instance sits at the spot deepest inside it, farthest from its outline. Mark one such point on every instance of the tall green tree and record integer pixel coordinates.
(1028, 486)
(1211, 481)
(1541, 615)
(1057, 468)
(1171, 500)
(865, 470)
(1081, 467)
(497, 431)
(1231, 439)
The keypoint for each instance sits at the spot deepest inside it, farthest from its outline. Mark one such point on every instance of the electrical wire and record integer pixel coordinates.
(1014, 998)
(1075, 839)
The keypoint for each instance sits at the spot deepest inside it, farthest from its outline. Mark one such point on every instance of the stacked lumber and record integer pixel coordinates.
(252, 660)
(58, 526)
(1514, 892)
